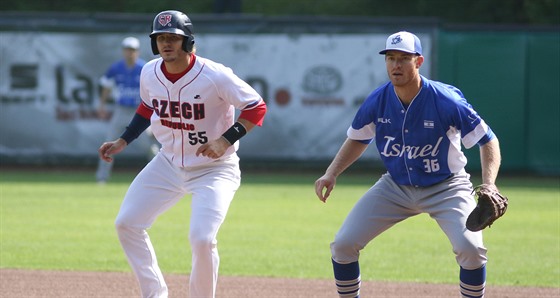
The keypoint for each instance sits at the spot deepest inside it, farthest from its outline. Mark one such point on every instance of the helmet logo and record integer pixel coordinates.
(164, 19)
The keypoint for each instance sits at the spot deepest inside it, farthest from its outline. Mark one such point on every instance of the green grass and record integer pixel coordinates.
(276, 227)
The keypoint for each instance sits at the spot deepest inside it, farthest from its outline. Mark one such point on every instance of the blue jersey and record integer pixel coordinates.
(125, 82)
(420, 145)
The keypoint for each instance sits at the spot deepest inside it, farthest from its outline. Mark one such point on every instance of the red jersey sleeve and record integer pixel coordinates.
(144, 111)
(254, 113)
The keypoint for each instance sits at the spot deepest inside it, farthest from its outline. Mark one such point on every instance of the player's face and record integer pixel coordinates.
(170, 47)
(130, 55)
(403, 68)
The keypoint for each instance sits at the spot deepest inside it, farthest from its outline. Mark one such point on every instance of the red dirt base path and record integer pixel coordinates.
(31, 284)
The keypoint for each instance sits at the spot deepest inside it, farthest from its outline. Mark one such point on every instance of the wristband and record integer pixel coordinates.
(234, 133)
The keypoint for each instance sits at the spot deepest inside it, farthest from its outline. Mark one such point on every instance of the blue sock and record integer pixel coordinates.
(473, 282)
(347, 278)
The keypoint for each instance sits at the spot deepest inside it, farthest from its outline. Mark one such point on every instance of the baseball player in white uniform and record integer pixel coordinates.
(190, 103)
(418, 126)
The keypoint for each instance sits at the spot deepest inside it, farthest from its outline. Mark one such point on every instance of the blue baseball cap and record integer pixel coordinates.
(403, 41)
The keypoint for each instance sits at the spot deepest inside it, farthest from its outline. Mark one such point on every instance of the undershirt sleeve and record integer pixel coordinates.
(139, 123)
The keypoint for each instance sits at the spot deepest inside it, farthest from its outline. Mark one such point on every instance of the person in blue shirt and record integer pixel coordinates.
(418, 126)
(122, 83)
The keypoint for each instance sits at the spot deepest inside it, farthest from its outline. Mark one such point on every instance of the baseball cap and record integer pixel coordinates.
(131, 43)
(403, 41)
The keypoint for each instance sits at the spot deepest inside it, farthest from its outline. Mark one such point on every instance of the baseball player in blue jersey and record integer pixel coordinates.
(122, 82)
(418, 126)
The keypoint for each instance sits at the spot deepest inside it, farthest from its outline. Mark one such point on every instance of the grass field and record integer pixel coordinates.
(276, 227)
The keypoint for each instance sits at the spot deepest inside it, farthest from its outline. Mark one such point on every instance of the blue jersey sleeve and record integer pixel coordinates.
(474, 129)
(363, 128)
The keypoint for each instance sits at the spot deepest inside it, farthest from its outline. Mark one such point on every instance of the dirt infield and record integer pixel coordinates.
(31, 284)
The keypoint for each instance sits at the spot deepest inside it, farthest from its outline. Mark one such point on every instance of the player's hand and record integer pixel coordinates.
(108, 149)
(326, 181)
(214, 149)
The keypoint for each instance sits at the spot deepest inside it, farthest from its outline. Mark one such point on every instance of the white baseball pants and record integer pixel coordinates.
(158, 187)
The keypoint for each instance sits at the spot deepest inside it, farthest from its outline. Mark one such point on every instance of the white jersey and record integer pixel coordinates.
(197, 108)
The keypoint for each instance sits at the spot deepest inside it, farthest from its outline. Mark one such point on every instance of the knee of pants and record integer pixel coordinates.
(201, 243)
(471, 256)
(345, 250)
(123, 228)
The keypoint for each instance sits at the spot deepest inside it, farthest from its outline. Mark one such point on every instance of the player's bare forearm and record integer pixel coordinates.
(349, 152)
(108, 149)
(102, 110)
(490, 161)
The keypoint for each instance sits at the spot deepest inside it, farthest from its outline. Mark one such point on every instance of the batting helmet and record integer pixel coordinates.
(175, 22)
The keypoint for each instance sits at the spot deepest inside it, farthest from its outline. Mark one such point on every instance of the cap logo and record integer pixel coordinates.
(164, 19)
(396, 39)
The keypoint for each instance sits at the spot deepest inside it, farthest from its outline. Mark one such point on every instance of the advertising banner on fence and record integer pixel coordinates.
(312, 83)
